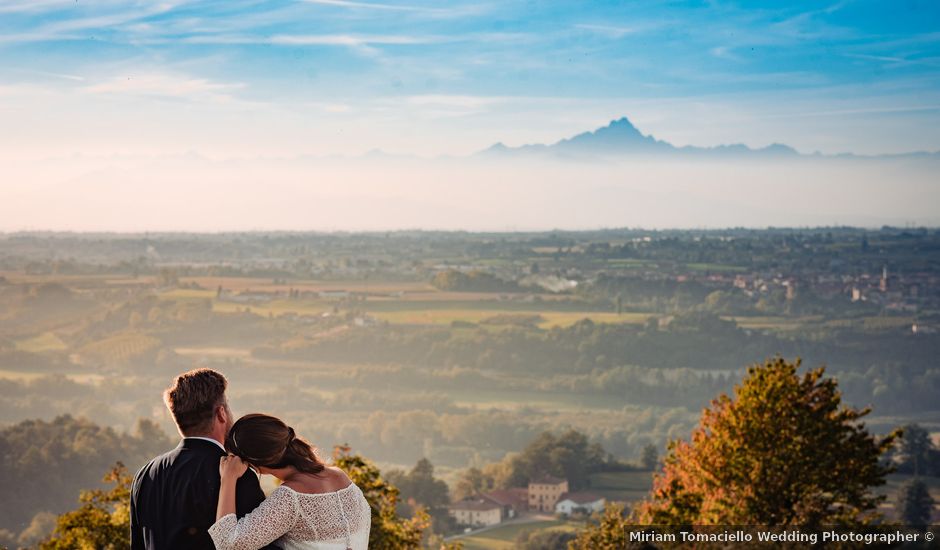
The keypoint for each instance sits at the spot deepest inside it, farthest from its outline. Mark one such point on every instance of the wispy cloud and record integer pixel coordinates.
(74, 28)
(462, 101)
(361, 43)
(166, 85)
(724, 52)
(859, 111)
(457, 11)
(350, 40)
(54, 75)
(892, 61)
(608, 30)
(31, 6)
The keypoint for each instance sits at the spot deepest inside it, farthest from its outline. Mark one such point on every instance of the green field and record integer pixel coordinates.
(411, 312)
(503, 537)
(622, 486)
(549, 318)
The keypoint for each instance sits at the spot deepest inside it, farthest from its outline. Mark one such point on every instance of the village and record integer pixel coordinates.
(545, 495)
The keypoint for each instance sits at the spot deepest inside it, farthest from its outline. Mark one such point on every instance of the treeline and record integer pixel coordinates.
(603, 357)
(569, 455)
(695, 340)
(667, 295)
(44, 464)
(473, 281)
(705, 342)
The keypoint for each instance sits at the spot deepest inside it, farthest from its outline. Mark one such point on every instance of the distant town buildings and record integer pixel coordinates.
(478, 511)
(543, 495)
(545, 491)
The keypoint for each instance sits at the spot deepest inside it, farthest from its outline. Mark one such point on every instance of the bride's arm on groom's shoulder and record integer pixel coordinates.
(230, 469)
(268, 522)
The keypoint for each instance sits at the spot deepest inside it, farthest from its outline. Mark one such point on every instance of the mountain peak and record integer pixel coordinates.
(622, 123)
(621, 137)
(621, 127)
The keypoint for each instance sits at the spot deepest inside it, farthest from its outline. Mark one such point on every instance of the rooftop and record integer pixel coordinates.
(478, 504)
(580, 497)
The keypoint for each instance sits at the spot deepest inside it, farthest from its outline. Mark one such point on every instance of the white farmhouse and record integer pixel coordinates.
(569, 503)
(476, 512)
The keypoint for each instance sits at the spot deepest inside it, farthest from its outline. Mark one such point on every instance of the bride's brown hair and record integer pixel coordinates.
(264, 440)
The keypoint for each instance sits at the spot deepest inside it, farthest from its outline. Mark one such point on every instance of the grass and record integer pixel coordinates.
(515, 399)
(773, 322)
(716, 267)
(503, 538)
(622, 486)
(274, 307)
(550, 318)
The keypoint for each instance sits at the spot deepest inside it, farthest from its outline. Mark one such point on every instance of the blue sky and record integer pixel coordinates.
(243, 77)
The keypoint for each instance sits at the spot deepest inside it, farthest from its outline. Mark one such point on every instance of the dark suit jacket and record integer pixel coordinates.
(174, 498)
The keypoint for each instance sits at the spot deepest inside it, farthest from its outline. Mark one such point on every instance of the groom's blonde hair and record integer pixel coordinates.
(193, 398)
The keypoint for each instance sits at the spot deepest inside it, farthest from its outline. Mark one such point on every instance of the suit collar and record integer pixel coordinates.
(201, 443)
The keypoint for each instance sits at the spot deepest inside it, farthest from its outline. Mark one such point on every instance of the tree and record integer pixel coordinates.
(650, 457)
(102, 521)
(607, 534)
(569, 455)
(914, 504)
(915, 448)
(388, 532)
(783, 451)
(548, 539)
(471, 482)
(419, 489)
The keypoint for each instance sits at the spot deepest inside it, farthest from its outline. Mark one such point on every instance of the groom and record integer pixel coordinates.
(174, 497)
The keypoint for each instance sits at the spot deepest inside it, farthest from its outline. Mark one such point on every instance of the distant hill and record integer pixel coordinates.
(621, 138)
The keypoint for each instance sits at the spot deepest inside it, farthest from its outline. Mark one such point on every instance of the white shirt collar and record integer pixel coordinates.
(206, 439)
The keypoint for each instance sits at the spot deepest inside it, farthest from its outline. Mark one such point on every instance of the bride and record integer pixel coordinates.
(316, 507)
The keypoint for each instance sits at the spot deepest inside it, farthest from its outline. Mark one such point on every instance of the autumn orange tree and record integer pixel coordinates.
(783, 451)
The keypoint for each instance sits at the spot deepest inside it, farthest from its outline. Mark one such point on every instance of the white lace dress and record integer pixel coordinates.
(299, 521)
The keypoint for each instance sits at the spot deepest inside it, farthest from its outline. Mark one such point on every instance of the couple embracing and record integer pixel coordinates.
(205, 493)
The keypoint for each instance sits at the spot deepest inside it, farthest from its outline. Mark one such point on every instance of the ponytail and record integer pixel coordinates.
(303, 456)
(264, 440)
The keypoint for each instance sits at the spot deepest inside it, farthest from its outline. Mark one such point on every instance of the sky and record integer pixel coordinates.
(247, 77)
(103, 102)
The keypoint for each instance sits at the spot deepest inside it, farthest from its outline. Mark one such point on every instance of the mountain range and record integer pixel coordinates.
(621, 138)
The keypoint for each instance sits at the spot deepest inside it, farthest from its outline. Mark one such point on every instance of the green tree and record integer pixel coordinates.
(569, 455)
(784, 450)
(388, 532)
(102, 522)
(650, 457)
(915, 448)
(471, 482)
(420, 489)
(914, 504)
(420, 485)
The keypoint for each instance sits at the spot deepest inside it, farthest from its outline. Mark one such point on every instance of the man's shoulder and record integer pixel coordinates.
(183, 456)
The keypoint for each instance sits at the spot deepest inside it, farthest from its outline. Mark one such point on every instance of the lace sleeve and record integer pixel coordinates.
(268, 522)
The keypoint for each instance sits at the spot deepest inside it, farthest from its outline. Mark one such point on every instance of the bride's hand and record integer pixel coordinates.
(231, 467)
